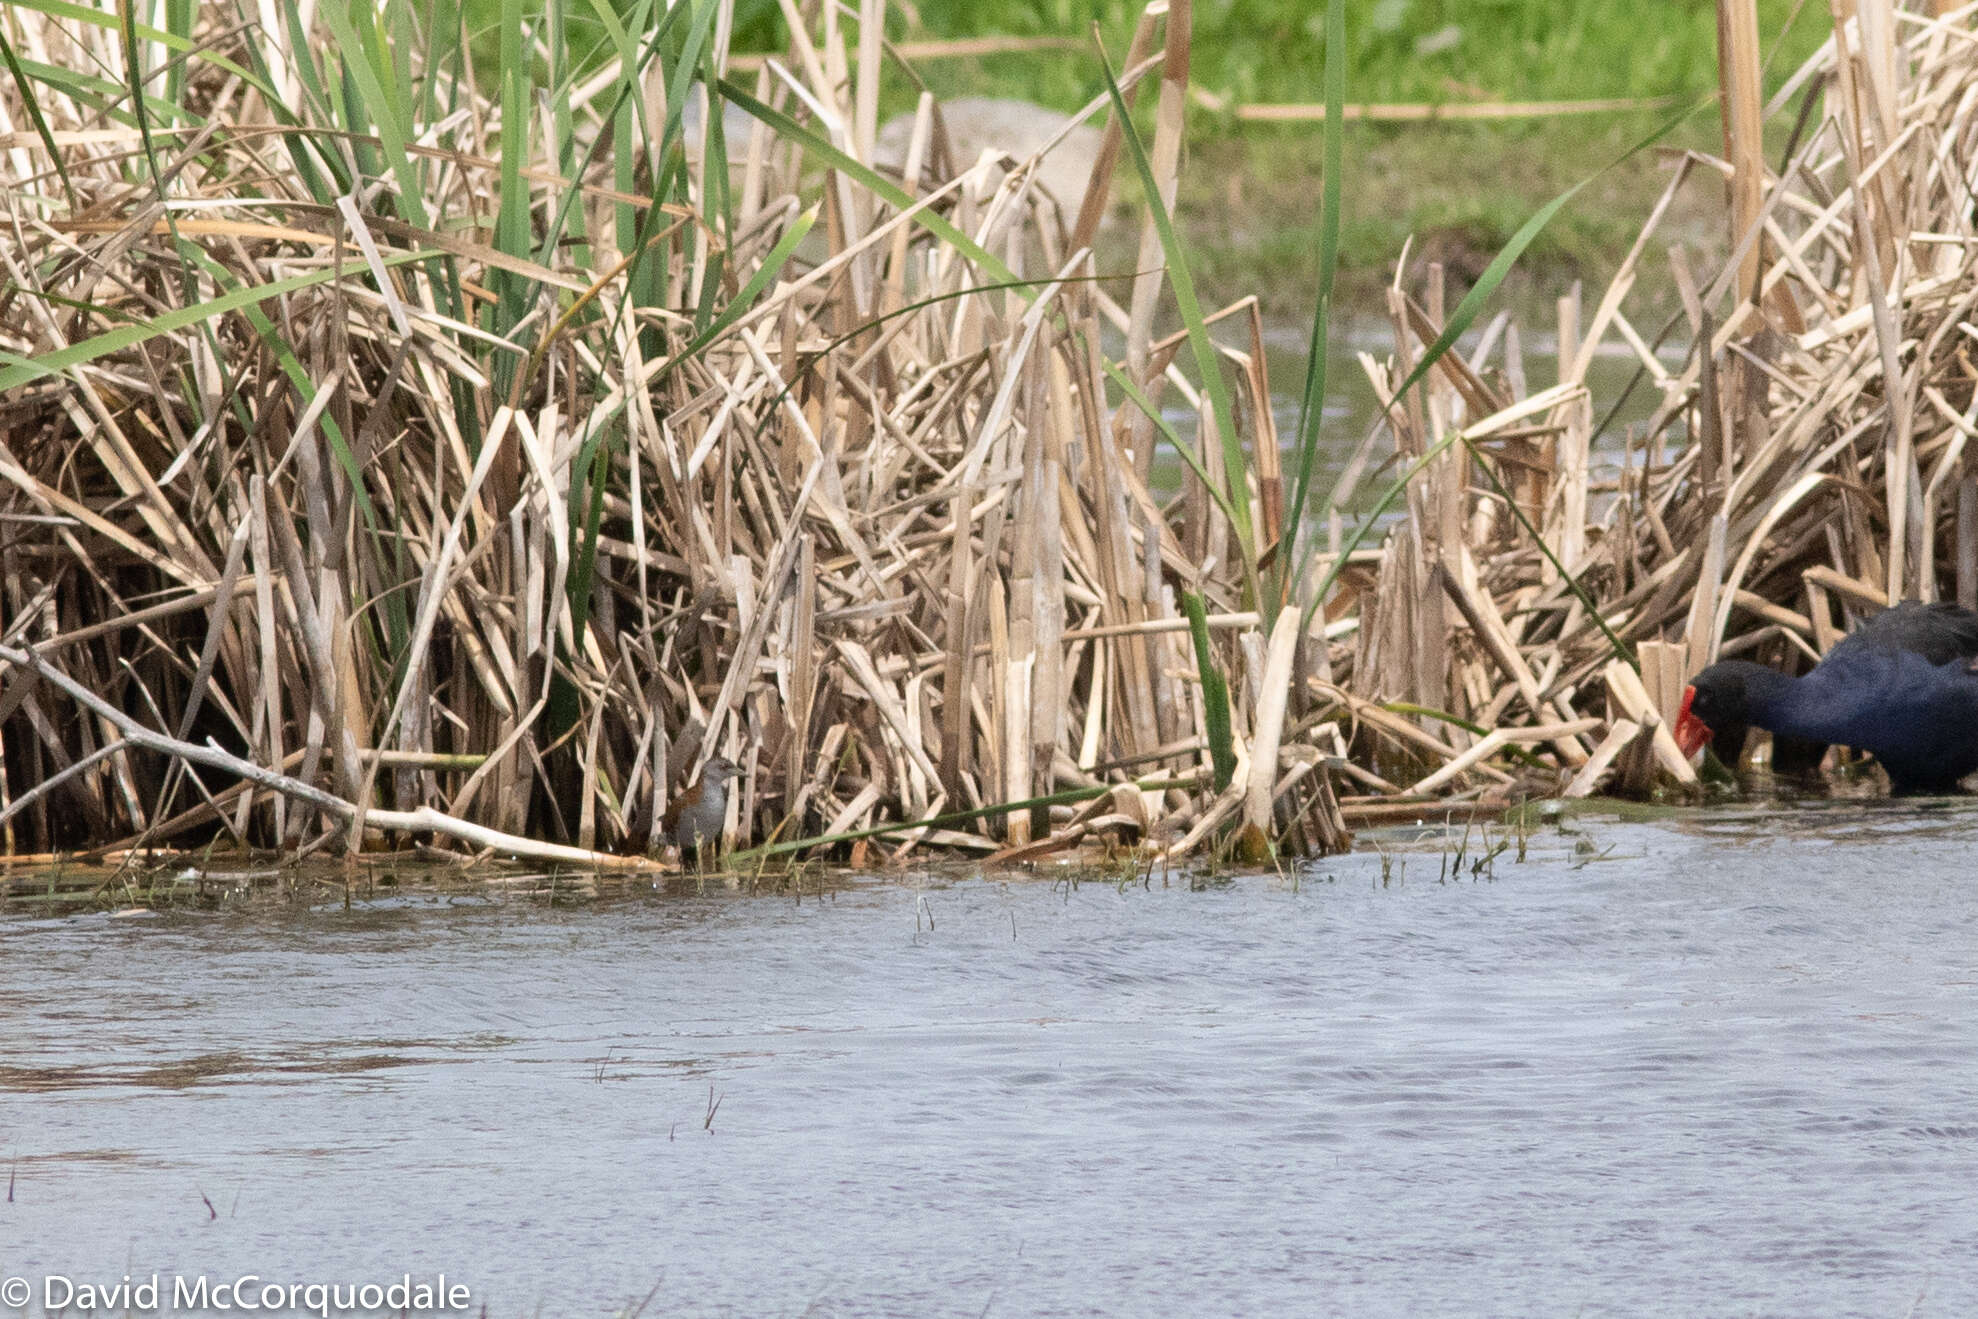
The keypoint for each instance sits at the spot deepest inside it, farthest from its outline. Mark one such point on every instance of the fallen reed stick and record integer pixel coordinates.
(422, 820)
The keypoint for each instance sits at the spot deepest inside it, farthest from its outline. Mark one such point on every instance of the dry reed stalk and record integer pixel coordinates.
(1739, 93)
(1620, 734)
(1268, 729)
(1489, 746)
(1169, 125)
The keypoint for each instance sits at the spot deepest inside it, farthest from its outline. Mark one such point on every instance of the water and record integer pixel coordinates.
(1721, 1063)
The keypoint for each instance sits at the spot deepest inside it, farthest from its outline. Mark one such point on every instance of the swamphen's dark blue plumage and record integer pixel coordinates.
(1903, 686)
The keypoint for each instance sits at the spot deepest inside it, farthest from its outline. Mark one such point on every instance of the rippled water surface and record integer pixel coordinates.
(1722, 1063)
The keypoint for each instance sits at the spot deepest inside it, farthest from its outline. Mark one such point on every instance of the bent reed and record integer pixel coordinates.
(383, 451)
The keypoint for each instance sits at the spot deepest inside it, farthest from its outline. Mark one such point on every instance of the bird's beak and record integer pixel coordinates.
(1691, 732)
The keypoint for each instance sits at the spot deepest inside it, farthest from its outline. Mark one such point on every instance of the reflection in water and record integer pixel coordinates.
(1715, 1062)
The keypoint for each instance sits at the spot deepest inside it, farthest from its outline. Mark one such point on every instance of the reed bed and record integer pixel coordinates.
(389, 454)
(1806, 462)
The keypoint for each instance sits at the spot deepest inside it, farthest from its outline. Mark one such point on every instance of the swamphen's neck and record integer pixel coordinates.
(1778, 703)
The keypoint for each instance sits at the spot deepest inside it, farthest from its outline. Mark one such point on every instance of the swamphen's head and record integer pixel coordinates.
(1717, 701)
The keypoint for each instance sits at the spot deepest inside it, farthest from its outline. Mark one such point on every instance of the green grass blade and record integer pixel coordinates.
(101, 95)
(1235, 463)
(1311, 403)
(1215, 692)
(1621, 648)
(512, 219)
(952, 295)
(33, 107)
(386, 117)
(1367, 524)
(927, 218)
(179, 17)
(765, 275)
(25, 369)
(179, 45)
(1511, 749)
(1393, 492)
(1186, 453)
(1473, 302)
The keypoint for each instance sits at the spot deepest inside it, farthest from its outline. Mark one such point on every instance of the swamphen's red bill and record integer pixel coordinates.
(1691, 732)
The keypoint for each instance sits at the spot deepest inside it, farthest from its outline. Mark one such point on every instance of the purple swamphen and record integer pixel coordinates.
(1903, 686)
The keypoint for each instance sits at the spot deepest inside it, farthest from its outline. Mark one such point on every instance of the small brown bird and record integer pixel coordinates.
(693, 819)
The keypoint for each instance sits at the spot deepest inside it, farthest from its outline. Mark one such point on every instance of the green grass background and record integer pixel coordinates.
(1247, 204)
